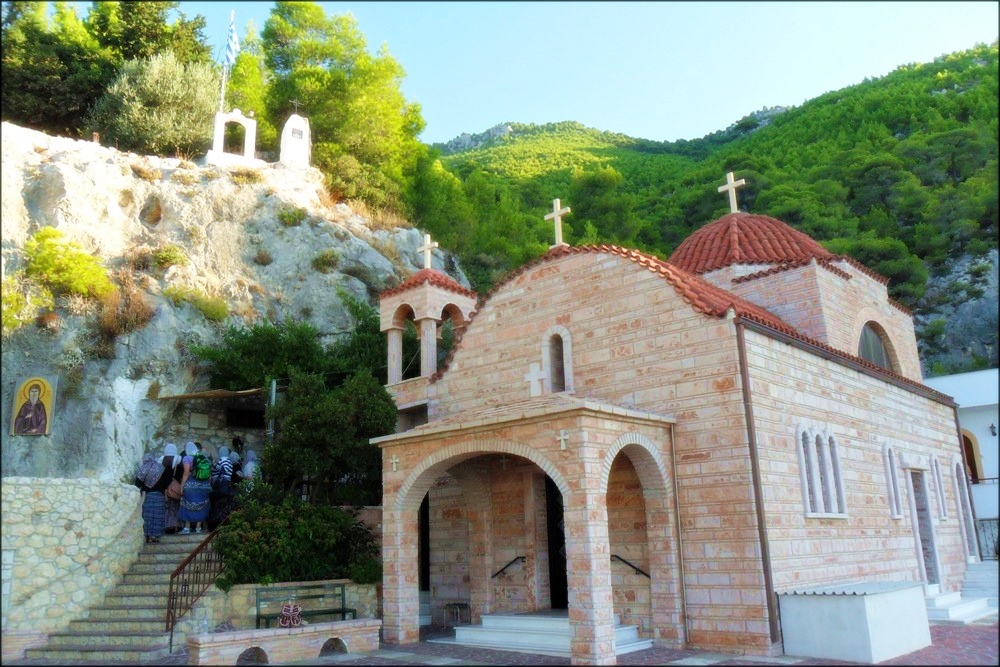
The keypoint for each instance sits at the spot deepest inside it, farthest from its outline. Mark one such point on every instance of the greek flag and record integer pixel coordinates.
(233, 45)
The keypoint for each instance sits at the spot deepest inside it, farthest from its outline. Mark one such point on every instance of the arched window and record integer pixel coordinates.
(820, 475)
(557, 360)
(872, 347)
(892, 481)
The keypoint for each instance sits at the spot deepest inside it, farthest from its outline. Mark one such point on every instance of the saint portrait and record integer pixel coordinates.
(33, 408)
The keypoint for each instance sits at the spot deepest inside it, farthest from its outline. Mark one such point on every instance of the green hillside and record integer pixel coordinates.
(899, 172)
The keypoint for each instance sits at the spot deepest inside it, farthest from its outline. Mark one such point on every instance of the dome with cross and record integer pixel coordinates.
(745, 238)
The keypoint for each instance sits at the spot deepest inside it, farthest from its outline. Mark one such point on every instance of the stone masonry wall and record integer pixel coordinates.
(66, 543)
(239, 605)
(627, 539)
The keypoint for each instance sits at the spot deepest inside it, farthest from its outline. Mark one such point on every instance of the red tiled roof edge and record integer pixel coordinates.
(851, 358)
(432, 276)
(862, 268)
(705, 297)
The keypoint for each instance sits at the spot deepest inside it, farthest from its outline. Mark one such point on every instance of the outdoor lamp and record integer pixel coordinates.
(993, 429)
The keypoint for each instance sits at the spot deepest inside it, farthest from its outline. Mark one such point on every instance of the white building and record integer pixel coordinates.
(978, 416)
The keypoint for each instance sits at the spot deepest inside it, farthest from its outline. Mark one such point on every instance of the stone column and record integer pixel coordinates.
(395, 336)
(428, 346)
(400, 578)
(588, 565)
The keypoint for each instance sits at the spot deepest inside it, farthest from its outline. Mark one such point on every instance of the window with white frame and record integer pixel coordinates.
(939, 488)
(891, 462)
(820, 474)
(557, 359)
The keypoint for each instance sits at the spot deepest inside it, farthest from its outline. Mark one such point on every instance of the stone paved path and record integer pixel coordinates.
(974, 644)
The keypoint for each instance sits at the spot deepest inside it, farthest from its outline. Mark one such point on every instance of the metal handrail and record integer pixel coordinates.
(190, 580)
(516, 558)
(637, 570)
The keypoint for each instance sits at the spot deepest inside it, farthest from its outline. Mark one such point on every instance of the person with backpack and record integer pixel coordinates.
(172, 496)
(152, 479)
(197, 487)
(222, 488)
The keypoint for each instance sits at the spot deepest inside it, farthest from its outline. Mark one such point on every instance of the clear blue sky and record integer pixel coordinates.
(653, 70)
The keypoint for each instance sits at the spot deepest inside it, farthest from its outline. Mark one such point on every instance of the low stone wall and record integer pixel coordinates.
(283, 645)
(66, 543)
(239, 606)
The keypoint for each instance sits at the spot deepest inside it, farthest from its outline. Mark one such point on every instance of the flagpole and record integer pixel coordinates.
(232, 48)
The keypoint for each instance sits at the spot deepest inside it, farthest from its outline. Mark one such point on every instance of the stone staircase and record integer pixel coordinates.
(953, 608)
(981, 581)
(129, 625)
(542, 633)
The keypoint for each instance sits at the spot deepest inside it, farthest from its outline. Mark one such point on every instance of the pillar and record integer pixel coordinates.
(395, 355)
(428, 346)
(400, 578)
(588, 564)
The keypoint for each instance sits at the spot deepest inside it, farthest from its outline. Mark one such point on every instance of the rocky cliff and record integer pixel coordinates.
(249, 237)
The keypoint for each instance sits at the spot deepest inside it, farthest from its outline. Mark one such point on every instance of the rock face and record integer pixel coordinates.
(250, 237)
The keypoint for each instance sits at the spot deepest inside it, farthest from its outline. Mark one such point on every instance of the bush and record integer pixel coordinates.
(21, 300)
(246, 176)
(271, 538)
(64, 267)
(326, 261)
(291, 217)
(124, 310)
(263, 257)
(213, 308)
(168, 256)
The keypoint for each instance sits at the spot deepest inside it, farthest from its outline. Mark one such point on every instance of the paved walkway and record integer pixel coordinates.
(974, 644)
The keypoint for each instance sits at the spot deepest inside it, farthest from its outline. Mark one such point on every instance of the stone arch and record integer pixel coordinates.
(332, 646)
(868, 320)
(972, 455)
(404, 313)
(254, 655)
(418, 482)
(454, 312)
(644, 450)
(963, 507)
(567, 356)
(249, 126)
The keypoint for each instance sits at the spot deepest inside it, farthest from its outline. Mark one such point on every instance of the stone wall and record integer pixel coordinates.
(204, 421)
(66, 543)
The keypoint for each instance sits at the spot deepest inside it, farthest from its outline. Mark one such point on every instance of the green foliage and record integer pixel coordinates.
(213, 308)
(158, 106)
(22, 299)
(64, 267)
(242, 176)
(169, 255)
(269, 539)
(326, 261)
(290, 217)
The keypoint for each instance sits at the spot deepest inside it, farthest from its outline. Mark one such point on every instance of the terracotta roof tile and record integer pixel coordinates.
(745, 238)
(431, 276)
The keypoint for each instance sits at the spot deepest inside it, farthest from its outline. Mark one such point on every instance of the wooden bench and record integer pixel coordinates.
(284, 645)
(321, 599)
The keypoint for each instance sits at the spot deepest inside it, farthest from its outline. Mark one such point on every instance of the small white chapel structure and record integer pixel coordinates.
(623, 450)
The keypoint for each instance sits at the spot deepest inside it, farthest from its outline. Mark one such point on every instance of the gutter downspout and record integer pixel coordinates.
(758, 495)
(680, 542)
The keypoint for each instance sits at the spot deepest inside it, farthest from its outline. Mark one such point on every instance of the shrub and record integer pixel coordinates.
(168, 256)
(326, 261)
(212, 308)
(64, 267)
(185, 177)
(246, 176)
(263, 257)
(124, 310)
(290, 217)
(269, 539)
(21, 300)
(146, 173)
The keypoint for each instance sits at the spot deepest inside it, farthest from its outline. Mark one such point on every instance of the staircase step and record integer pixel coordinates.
(519, 622)
(68, 655)
(114, 599)
(128, 624)
(961, 612)
(629, 647)
(161, 588)
(136, 640)
(110, 612)
(944, 600)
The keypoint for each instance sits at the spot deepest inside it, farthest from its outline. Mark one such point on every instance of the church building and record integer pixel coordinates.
(663, 448)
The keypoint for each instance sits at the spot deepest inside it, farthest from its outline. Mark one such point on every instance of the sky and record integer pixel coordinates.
(652, 70)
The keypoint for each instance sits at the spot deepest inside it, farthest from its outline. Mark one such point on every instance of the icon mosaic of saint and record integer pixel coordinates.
(33, 401)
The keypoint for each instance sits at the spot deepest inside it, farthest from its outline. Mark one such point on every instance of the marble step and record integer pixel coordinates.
(118, 638)
(68, 655)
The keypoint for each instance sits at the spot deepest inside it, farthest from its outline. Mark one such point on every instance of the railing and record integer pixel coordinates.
(516, 558)
(985, 480)
(190, 580)
(986, 533)
(637, 570)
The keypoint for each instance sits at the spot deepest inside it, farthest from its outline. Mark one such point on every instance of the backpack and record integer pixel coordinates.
(149, 473)
(202, 468)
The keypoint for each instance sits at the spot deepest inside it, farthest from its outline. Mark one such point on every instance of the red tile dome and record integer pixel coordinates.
(745, 238)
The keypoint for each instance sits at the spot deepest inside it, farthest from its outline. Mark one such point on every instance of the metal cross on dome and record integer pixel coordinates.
(426, 248)
(556, 216)
(731, 186)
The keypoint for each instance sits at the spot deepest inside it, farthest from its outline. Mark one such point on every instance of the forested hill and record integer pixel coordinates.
(900, 172)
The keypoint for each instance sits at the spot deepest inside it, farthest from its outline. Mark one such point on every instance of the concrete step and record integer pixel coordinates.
(128, 624)
(960, 613)
(110, 612)
(943, 600)
(159, 588)
(136, 640)
(68, 655)
(115, 599)
(537, 633)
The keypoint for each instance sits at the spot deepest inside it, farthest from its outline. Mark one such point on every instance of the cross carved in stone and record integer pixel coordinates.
(503, 461)
(394, 461)
(536, 376)
(556, 217)
(426, 248)
(731, 186)
(562, 438)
